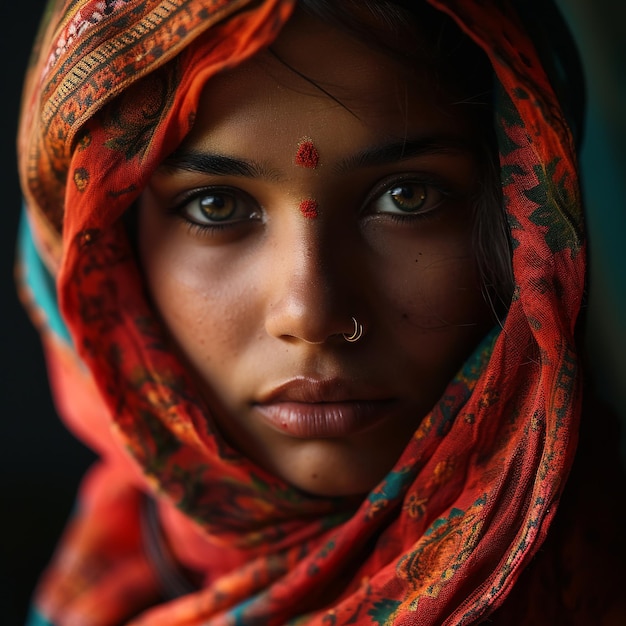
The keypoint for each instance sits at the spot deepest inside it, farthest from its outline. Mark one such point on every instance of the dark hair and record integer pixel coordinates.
(411, 31)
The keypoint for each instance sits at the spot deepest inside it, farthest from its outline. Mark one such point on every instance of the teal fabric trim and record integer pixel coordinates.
(36, 619)
(597, 26)
(39, 281)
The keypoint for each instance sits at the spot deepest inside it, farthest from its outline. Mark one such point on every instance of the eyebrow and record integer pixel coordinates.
(384, 154)
(396, 151)
(216, 164)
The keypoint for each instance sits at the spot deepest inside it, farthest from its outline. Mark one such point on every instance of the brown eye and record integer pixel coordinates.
(212, 207)
(217, 207)
(408, 198)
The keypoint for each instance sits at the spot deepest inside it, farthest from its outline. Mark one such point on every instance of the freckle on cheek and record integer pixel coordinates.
(308, 208)
(307, 155)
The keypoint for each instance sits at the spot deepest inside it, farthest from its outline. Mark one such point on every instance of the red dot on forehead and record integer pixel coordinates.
(307, 155)
(308, 208)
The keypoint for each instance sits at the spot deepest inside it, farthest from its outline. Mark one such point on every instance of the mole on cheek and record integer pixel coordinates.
(307, 155)
(308, 208)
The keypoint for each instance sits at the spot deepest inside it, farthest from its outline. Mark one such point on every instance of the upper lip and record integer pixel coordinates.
(313, 390)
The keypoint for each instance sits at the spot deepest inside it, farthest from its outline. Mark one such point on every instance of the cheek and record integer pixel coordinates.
(195, 295)
(429, 276)
(446, 292)
(434, 305)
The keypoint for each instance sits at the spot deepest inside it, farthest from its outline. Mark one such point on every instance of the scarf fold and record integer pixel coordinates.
(444, 537)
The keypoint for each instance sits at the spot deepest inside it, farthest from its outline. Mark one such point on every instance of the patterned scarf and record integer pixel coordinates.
(444, 537)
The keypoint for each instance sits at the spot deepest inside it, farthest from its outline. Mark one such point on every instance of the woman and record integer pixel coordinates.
(288, 320)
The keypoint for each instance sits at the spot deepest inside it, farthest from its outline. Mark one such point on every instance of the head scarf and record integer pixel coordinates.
(173, 527)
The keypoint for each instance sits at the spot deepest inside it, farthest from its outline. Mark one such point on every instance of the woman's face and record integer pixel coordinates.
(322, 181)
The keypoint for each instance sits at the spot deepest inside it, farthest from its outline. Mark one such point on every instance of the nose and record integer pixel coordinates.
(313, 290)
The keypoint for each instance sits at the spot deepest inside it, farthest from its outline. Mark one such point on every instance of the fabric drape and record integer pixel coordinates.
(445, 536)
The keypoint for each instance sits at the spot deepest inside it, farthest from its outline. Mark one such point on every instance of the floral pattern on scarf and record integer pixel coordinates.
(445, 536)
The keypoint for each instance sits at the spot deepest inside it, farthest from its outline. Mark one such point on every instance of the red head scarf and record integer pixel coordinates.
(444, 537)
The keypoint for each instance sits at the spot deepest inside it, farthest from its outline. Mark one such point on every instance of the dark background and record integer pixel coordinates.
(40, 462)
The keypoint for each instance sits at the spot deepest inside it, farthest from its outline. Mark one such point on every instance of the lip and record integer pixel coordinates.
(307, 408)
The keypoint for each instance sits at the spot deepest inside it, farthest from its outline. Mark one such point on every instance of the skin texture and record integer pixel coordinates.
(258, 301)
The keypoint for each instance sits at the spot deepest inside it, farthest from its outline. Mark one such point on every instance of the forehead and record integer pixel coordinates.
(317, 74)
(328, 54)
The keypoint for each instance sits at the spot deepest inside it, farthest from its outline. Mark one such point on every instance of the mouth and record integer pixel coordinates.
(306, 408)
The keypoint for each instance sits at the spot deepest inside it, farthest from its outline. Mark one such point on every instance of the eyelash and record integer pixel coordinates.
(388, 184)
(202, 230)
(208, 229)
(383, 187)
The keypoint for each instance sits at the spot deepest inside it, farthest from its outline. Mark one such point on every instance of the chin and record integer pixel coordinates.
(330, 468)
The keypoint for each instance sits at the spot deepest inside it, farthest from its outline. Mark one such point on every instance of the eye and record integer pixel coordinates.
(218, 207)
(408, 198)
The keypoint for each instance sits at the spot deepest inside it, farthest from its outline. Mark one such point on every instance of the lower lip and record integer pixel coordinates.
(322, 420)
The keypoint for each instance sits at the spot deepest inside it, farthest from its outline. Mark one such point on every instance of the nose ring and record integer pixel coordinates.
(357, 333)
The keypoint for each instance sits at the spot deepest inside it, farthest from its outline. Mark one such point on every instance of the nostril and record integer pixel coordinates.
(308, 311)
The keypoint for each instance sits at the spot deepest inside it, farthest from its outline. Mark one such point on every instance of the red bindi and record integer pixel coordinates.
(307, 155)
(308, 208)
